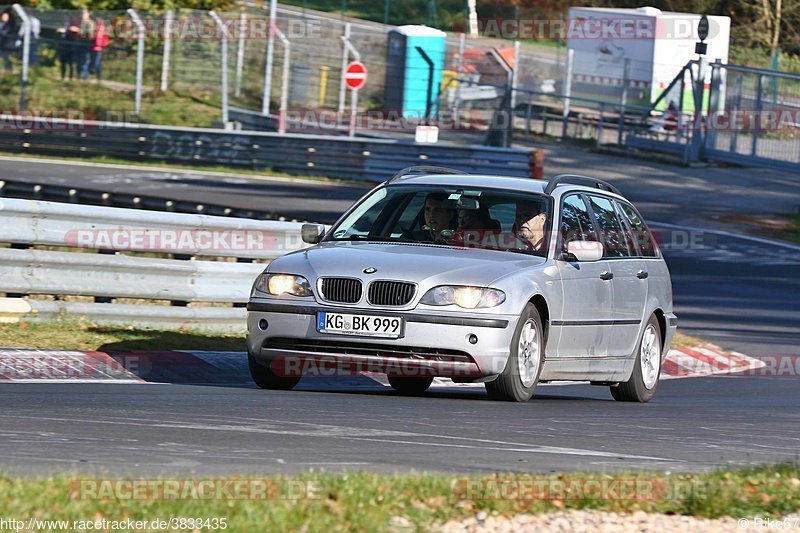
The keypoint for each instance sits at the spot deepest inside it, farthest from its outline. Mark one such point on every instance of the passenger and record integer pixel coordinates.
(438, 218)
(529, 224)
(474, 219)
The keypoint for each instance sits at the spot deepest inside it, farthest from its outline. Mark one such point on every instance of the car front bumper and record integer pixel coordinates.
(432, 344)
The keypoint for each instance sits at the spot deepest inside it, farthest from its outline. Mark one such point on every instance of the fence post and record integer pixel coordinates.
(348, 49)
(240, 55)
(734, 145)
(284, 81)
(515, 77)
(137, 106)
(567, 91)
(623, 99)
(759, 107)
(169, 24)
(459, 74)
(345, 57)
(600, 127)
(26, 50)
(270, 52)
(224, 61)
(713, 106)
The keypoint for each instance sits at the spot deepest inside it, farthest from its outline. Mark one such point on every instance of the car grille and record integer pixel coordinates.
(344, 290)
(390, 293)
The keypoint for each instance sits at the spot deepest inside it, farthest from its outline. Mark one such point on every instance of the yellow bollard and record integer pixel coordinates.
(323, 84)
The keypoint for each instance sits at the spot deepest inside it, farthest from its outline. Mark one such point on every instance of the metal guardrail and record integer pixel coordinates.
(31, 190)
(188, 277)
(69, 225)
(337, 157)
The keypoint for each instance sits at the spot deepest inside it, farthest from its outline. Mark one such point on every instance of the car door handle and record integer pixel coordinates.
(605, 276)
(642, 274)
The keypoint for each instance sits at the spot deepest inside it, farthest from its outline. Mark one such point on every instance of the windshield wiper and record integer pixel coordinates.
(376, 238)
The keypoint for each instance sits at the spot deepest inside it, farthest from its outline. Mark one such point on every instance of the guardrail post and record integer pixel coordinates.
(169, 22)
(224, 61)
(140, 31)
(240, 55)
(26, 52)
(567, 91)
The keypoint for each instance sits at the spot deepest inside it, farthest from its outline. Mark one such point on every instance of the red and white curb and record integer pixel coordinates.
(208, 367)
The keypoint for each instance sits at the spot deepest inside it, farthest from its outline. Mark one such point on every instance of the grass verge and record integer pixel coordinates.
(363, 501)
(79, 335)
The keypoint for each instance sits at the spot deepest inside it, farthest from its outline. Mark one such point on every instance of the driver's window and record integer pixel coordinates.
(576, 222)
(411, 219)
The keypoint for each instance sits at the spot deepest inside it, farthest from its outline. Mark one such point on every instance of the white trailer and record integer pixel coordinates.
(657, 44)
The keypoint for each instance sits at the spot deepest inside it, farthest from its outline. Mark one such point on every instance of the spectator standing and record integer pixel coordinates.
(68, 53)
(100, 42)
(85, 43)
(9, 35)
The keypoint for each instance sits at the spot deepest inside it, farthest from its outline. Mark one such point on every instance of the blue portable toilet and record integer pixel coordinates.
(408, 71)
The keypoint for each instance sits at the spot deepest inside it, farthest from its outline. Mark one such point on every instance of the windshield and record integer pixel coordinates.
(473, 217)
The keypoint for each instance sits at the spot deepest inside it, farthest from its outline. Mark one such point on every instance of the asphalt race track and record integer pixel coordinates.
(154, 429)
(736, 291)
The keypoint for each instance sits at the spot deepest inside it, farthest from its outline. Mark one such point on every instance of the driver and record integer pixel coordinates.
(437, 216)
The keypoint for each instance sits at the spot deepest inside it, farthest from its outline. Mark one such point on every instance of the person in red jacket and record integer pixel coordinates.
(99, 44)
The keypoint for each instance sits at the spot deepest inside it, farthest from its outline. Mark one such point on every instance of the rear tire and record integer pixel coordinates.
(415, 385)
(641, 387)
(266, 378)
(519, 378)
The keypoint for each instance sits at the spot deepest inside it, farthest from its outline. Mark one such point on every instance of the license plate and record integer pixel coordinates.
(390, 327)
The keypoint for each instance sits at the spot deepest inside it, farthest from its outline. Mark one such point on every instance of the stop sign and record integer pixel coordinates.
(355, 76)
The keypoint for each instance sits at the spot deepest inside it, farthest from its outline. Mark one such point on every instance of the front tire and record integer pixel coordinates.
(641, 387)
(519, 378)
(266, 378)
(415, 385)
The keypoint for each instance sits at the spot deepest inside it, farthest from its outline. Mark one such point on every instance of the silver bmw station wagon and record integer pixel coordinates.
(504, 281)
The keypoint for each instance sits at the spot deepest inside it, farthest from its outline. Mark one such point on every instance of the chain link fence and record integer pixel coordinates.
(491, 88)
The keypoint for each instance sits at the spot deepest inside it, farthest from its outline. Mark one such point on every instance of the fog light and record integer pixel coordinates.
(263, 324)
(473, 339)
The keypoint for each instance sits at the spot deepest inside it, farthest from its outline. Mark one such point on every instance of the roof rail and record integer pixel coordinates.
(586, 181)
(424, 170)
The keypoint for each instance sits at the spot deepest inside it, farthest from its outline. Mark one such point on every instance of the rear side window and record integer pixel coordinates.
(641, 234)
(576, 222)
(611, 230)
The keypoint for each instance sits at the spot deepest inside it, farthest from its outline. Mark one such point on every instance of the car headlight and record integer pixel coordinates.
(463, 296)
(278, 284)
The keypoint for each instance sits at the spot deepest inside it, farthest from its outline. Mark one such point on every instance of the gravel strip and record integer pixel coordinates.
(597, 521)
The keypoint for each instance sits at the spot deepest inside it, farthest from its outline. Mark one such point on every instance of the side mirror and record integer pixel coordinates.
(312, 233)
(585, 251)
